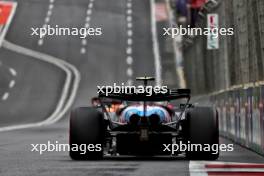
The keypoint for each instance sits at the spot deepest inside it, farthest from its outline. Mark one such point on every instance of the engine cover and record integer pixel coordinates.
(151, 111)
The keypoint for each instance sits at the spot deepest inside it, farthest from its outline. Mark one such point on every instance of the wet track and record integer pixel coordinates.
(38, 86)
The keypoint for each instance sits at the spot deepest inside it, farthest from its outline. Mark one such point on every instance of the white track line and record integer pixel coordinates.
(89, 11)
(51, 6)
(130, 33)
(87, 25)
(47, 20)
(129, 49)
(129, 41)
(3, 33)
(178, 58)
(87, 19)
(5, 96)
(129, 72)
(129, 18)
(12, 71)
(129, 25)
(129, 11)
(129, 60)
(130, 82)
(156, 52)
(67, 97)
(83, 50)
(12, 83)
(129, 4)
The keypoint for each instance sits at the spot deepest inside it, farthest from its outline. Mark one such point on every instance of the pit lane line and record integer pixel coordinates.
(47, 19)
(156, 52)
(66, 99)
(87, 24)
(129, 50)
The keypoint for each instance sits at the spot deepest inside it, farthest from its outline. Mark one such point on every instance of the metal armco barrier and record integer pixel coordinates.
(241, 116)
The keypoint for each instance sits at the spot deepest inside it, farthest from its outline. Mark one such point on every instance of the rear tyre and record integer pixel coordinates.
(202, 128)
(86, 132)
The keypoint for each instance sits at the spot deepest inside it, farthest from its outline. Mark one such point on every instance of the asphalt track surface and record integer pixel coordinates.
(38, 86)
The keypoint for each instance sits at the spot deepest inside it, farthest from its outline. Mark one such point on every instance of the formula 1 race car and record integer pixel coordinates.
(141, 124)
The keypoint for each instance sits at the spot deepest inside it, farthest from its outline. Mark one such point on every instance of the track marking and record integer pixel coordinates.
(156, 52)
(90, 5)
(47, 20)
(12, 71)
(129, 4)
(87, 25)
(129, 50)
(44, 26)
(51, 6)
(129, 18)
(83, 50)
(89, 12)
(129, 71)
(67, 97)
(129, 11)
(178, 57)
(129, 32)
(5, 96)
(84, 42)
(130, 82)
(207, 168)
(129, 60)
(87, 19)
(49, 13)
(129, 41)
(12, 83)
(129, 25)
(40, 42)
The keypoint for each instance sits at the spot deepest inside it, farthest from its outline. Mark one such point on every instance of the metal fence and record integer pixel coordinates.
(239, 59)
(241, 116)
(233, 74)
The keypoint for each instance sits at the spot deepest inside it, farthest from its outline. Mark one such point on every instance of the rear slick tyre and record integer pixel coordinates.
(86, 131)
(202, 129)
